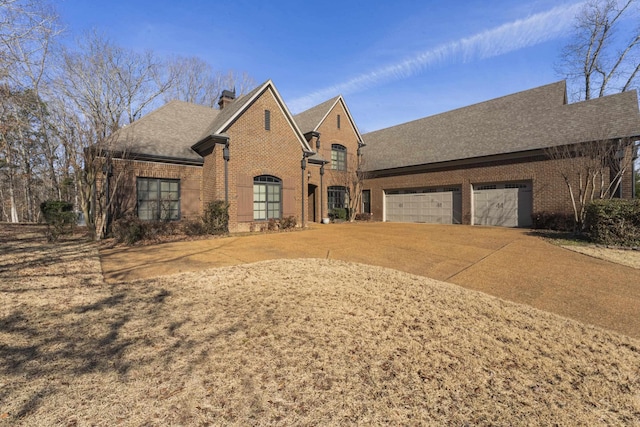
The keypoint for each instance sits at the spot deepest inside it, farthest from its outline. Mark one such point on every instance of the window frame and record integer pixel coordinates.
(366, 201)
(337, 192)
(157, 198)
(270, 183)
(338, 157)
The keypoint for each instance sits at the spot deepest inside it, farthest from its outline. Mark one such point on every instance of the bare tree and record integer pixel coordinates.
(27, 32)
(598, 60)
(352, 179)
(20, 151)
(9, 125)
(591, 170)
(195, 81)
(101, 87)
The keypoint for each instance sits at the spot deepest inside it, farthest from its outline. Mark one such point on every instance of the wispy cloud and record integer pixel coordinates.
(497, 41)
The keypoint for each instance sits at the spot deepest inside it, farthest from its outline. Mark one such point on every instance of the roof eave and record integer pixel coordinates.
(454, 163)
(208, 142)
(157, 158)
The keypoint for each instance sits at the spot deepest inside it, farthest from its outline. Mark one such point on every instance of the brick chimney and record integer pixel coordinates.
(226, 98)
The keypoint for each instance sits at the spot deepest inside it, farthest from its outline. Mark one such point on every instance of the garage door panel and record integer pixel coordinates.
(427, 207)
(506, 205)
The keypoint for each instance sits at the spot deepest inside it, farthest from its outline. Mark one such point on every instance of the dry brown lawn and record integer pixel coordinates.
(630, 258)
(290, 342)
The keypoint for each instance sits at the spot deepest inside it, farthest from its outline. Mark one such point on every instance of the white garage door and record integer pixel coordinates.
(429, 205)
(503, 204)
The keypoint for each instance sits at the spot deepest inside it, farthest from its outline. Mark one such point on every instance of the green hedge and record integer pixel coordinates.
(614, 222)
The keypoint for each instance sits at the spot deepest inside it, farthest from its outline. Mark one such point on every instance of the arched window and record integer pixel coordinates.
(267, 197)
(338, 157)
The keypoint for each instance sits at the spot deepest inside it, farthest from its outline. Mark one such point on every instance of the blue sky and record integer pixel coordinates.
(393, 61)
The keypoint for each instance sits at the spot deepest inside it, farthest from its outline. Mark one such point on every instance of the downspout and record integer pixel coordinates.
(303, 166)
(634, 157)
(360, 178)
(321, 193)
(226, 157)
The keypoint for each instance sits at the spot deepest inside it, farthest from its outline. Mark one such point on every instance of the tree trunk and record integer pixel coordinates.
(12, 199)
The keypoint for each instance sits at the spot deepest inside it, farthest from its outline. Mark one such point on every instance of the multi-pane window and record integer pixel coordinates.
(267, 197)
(158, 199)
(338, 157)
(337, 197)
(366, 201)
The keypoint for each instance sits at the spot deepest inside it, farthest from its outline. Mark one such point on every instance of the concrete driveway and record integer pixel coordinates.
(507, 263)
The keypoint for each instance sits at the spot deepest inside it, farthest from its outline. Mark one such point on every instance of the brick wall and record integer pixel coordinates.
(549, 189)
(190, 178)
(255, 151)
(347, 136)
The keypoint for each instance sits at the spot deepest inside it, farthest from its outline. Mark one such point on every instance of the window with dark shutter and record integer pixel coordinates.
(267, 197)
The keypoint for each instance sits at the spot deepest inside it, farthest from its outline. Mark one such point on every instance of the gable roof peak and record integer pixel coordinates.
(309, 120)
(234, 110)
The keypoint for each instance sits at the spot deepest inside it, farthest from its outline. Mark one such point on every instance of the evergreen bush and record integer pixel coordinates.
(59, 217)
(614, 222)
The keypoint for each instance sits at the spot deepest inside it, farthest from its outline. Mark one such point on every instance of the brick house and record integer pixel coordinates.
(482, 164)
(250, 153)
(333, 135)
(489, 163)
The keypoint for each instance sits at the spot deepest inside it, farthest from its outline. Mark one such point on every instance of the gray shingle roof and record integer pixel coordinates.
(523, 121)
(310, 119)
(167, 132)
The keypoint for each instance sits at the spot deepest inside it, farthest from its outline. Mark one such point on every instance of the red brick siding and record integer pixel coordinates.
(330, 134)
(255, 151)
(190, 183)
(549, 189)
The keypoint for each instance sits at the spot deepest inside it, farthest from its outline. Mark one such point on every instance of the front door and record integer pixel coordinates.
(311, 215)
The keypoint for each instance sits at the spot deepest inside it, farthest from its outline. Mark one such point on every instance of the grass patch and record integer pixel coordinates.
(302, 342)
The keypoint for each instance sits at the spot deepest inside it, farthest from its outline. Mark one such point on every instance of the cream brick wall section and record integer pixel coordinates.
(190, 183)
(255, 151)
(549, 190)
